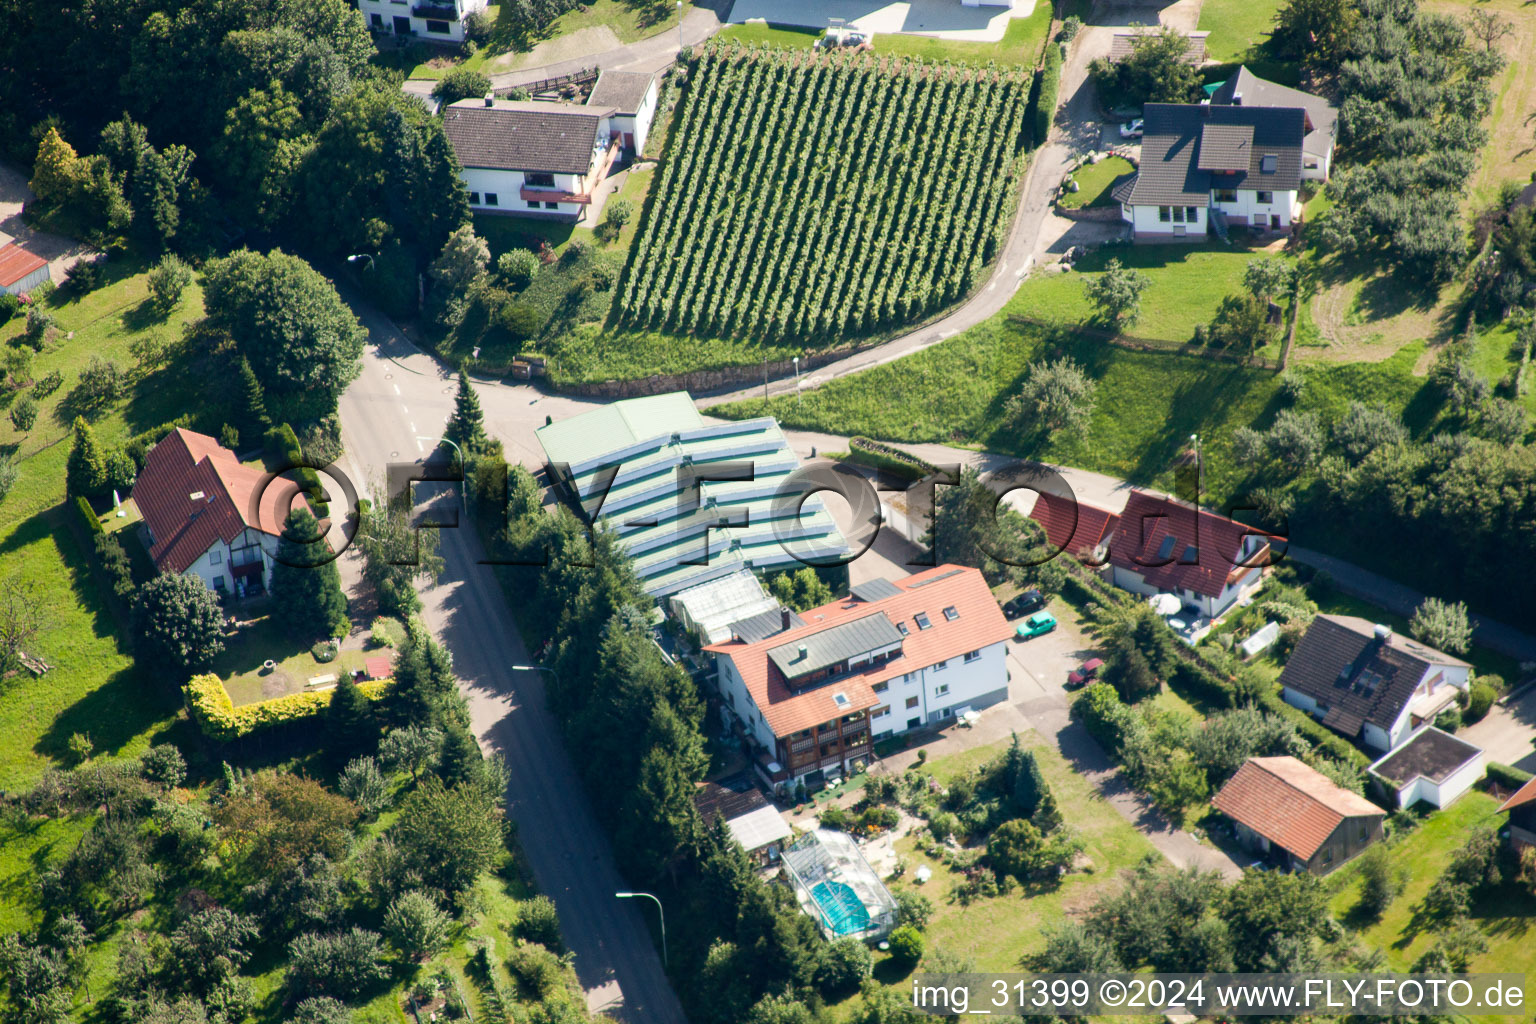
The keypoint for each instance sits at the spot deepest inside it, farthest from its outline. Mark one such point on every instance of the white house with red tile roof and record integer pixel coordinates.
(1160, 545)
(208, 514)
(891, 656)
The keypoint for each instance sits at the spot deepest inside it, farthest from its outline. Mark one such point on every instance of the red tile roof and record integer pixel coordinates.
(16, 263)
(1071, 526)
(1290, 804)
(1147, 522)
(980, 624)
(187, 463)
(379, 667)
(1526, 794)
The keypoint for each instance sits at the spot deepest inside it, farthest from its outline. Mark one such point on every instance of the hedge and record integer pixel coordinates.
(1324, 739)
(87, 515)
(284, 445)
(219, 719)
(1507, 775)
(1047, 85)
(882, 456)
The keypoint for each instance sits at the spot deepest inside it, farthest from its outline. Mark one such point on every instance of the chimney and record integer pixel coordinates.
(802, 650)
(1237, 99)
(1383, 633)
(783, 618)
(490, 99)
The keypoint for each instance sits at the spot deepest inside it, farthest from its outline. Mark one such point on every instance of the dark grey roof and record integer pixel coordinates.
(1123, 43)
(621, 91)
(1226, 147)
(1249, 90)
(764, 625)
(730, 798)
(1430, 754)
(1360, 677)
(837, 644)
(1121, 193)
(1171, 171)
(523, 136)
(874, 590)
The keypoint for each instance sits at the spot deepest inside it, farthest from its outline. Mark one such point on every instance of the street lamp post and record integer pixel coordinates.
(659, 910)
(463, 500)
(797, 379)
(362, 256)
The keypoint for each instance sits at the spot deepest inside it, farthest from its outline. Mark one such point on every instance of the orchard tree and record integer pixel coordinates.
(1488, 27)
(1116, 294)
(1442, 625)
(1365, 428)
(1242, 324)
(1056, 396)
(1316, 31)
(303, 343)
(305, 581)
(1269, 277)
(340, 964)
(167, 280)
(416, 926)
(178, 623)
(1296, 439)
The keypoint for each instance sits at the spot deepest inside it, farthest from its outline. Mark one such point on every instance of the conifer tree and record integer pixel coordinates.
(305, 580)
(253, 402)
(86, 471)
(350, 717)
(466, 427)
(53, 173)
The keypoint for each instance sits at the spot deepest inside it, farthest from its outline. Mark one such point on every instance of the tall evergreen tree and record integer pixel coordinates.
(253, 403)
(466, 427)
(349, 719)
(424, 691)
(86, 471)
(305, 580)
(460, 756)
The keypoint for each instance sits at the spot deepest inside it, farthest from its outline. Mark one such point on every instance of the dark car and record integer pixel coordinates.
(1087, 674)
(1025, 603)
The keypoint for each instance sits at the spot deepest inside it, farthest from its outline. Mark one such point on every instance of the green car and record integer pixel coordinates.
(1035, 625)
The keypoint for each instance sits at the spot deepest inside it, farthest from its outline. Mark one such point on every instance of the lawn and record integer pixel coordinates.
(1095, 182)
(240, 663)
(1505, 917)
(1238, 28)
(92, 688)
(1022, 43)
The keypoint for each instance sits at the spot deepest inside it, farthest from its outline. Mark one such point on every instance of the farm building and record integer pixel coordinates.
(21, 270)
(689, 501)
(1433, 766)
(545, 158)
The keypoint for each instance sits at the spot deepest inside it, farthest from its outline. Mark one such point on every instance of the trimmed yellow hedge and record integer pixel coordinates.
(220, 720)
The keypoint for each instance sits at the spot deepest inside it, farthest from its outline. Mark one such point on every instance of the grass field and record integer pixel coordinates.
(92, 689)
(1022, 42)
(1505, 917)
(1095, 182)
(1237, 27)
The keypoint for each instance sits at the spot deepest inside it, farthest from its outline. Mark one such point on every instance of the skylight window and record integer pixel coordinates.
(1269, 162)
(922, 620)
(902, 626)
(1191, 555)
(1165, 549)
(951, 613)
(841, 700)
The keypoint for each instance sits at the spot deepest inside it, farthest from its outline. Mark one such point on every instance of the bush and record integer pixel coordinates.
(415, 925)
(343, 964)
(324, 651)
(164, 764)
(461, 84)
(518, 267)
(1047, 84)
(520, 320)
(48, 384)
(834, 817)
(24, 413)
(912, 908)
(1070, 28)
(844, 964)
(10, 306)
(39, 323)
(576, 252)
(1480, 697)
(87, 515)
(618, 213)
(539, 921)
(906, 945)
(386, 632)
(84, 275)
(1507, 776)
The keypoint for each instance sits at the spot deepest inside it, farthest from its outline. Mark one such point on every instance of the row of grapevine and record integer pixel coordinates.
(810, 196)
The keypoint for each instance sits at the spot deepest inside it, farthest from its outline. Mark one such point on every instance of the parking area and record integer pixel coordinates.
(1508, 733)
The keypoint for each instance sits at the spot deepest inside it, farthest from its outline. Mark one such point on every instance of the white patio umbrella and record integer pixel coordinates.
(1165, 604)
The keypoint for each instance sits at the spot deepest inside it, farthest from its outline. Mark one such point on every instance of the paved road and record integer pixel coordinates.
(400, 395)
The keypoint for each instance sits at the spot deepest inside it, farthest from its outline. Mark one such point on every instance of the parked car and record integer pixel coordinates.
(1037, 624)
(1131, 129)
(1024, 604)
(1086, 674)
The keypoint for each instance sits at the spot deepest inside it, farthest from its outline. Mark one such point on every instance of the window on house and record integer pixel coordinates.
(1164, 214)
(1268, 163)
(377, 20)
(901, 627)
(941, 666)
(951, 613)
(215, 557)
(941, 690)
(1226, 195)
(908, 677)
(1264, 197)
(1328, 855)
(490, 199)
(1365, 832)
(921, 618)
(911, 703)
(881, 687)
(474, 199)
(972, 655)
(438, 27)
(218, 583)
(881, 711)
(533, 204)
(1192, 214)
(538, 179)
(551, 206)
(1178, 215)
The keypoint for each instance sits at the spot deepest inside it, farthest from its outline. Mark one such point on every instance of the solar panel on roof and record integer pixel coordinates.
(935, 579)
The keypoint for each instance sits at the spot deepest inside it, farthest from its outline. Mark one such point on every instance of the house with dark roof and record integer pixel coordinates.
(1295, 816)
(1366, 682)
(1162, 546)
(811, 698)
(545, 158)
(1246, 89)
(1522, 816)
(1432, 767)
(1240, 165)
(208, 515)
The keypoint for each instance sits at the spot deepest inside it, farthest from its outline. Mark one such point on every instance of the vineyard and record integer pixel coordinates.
(812, 197)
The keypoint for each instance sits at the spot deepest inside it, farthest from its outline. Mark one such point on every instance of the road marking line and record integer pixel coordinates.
(397, 388)
(403, 408)
(413, 428)
(418, 445)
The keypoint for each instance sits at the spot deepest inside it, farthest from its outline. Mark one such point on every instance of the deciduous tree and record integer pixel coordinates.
(178, 624)
(1116, 293)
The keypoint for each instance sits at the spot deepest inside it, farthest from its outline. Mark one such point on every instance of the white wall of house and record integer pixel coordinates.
(501, 191)
(1149, 225)
(215, 566)
(380, 16)
(638, 124)
(1445, 793)
(1256, 206)
(739, 701)
(1315, 166)
(937, 692)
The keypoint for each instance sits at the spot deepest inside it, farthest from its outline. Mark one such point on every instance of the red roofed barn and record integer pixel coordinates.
(813, 697)
(1296, 816)
(1162, 546)
(199, 504)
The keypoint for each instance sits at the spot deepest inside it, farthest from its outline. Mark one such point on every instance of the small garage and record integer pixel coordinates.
(1433, 766)
(21, 270)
